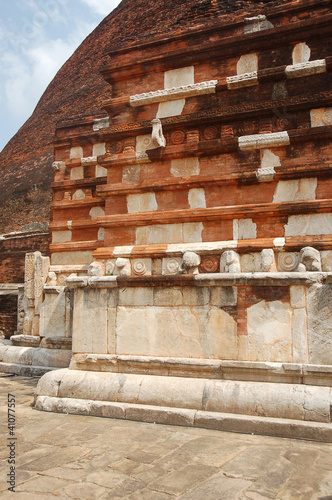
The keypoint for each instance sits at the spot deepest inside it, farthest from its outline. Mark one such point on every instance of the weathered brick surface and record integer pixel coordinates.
(12, 255)
(8, 314)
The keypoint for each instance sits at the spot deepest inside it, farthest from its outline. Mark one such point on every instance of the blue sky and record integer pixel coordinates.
(36, 39)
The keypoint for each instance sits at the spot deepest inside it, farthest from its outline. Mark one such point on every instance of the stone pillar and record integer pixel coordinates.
(30, 299)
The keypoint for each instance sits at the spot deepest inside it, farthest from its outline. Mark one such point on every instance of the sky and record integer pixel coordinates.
(36, 39)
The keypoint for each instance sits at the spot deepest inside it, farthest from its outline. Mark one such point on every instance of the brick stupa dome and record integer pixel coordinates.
(79, 89)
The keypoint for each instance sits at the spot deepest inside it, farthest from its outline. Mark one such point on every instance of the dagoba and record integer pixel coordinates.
(190, 270)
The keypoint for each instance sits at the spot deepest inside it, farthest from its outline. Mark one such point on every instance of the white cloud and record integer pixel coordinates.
(103, 7)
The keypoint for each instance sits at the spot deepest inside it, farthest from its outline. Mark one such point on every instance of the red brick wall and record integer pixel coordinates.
(12, 255)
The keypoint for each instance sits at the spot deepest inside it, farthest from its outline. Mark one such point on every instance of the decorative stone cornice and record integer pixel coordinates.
(174, 93)
(260, 141)
(306, 68)
(245, 80)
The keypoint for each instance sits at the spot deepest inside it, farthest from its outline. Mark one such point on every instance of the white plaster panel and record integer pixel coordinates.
(307, 225)
(170, 108)
(96, 212)
(247, 64)
(169, 233)
(244, 229)
(301, 53)
(295, 190)
(61, 236)
(79, 195)
(144, 202)
(99, 149)
(269, 326)
(179, 77)
(71, 258)
(101, 171)
(185, 167)
(269, 159)
(196, 198)
(76, 173)
(76, 152)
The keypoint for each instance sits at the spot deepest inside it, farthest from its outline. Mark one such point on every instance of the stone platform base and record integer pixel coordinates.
(289, 410)
(32, 361)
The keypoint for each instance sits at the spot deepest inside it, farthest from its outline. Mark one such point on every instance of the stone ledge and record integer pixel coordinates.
(25, 370)
(205, 368)
(186, 417)
(208, 279)
(306, 68)
(25, 340)
(255, 399)
(174, 93)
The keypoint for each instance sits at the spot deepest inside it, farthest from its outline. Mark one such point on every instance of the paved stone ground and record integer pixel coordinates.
(80, 457)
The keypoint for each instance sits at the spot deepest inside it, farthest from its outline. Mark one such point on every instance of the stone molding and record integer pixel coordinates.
(174, 93)
(244, 80)
(260, 141)
(306, 68)
(201, 280)
(206, 368)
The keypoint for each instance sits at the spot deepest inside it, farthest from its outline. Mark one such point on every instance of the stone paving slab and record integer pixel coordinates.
(61, 456)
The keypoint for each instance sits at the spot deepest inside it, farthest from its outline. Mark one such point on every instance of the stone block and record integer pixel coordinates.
(182, 331)
(101, 171)
(90, 309)
(196, 198)
(171, 108)
(301, 53)
(326, 257)
(71, 258)
(247, 64)
(142, 267)
(269, 327)
(165, 415)
(250, 262)
(76, 152)
(79, 195)
(99, 149)
(61, 236)
(136, 296)
(306, 69)
(295, 190)
(297, 296)
(288, 261)
(76, 173)
(260, 141)
(114, 410)
(244, 229)
(300, 336)
(194, 296)
(96, 212)
(169, 233)
(171, 265)
(179, 77)
(53, 314)
(309, 225)
(224, 296)
(321, 117)
(145, 202)
(167, 296)
(100, 123)
(319, 309)
(185, 167)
